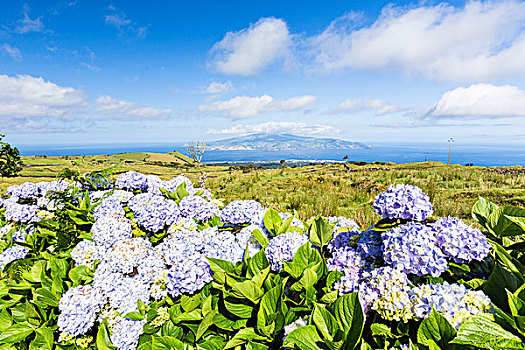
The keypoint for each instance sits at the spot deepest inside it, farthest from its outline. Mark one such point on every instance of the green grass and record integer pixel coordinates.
(320, 189)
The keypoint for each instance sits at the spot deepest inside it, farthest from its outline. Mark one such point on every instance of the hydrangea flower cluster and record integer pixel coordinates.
(154, 212)
(132, 180)
(403, 202)
(283, 248)
(351, 264)
(188, 275)
(12, 254)
(21, 213)
(388, 292)
(454, 301)
(86, 253)
(125, 333)
(108, 206)
(412, 248)
(197, 207)
(241, 212)
(78, 309)
(459, 241)
(109, 229)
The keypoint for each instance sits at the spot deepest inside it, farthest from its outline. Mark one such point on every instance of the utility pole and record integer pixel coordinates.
(450, 140)
(426, 154)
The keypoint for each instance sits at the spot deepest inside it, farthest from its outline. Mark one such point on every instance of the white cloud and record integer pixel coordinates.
(26, 24)
(216, 87)
(248, 51)
(482, 40)
(278, 127)
(379, 106)
(481, 100)
(245, 106)
(119, 109)
(125, 25)
(27, 96)
(13, 52)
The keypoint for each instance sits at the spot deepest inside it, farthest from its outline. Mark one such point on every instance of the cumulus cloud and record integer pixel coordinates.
(13, 52)
(248, 51)
(481, 100)
(278, 127)
(216, 87)
(27, 96)
(481, 40)
(379, 106)
(241, 107)
(27, 25)
(119, 109)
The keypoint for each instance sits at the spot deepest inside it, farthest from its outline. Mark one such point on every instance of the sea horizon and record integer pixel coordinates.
(475, 154)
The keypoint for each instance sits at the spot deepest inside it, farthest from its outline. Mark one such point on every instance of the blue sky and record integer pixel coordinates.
(132, 71)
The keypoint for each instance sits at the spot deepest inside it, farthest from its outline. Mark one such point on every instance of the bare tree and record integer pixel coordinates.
(196, 151)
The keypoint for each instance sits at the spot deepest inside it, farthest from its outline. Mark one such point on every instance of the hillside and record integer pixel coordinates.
(281, 142)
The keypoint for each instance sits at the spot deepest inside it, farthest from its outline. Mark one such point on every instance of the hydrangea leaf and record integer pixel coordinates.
(43, 339)
(437, 329)
(266, 316)
(16, 333)
(349, 314)
(305, 338)
(242, 337)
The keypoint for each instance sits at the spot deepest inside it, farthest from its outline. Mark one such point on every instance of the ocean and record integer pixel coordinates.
(489, 155)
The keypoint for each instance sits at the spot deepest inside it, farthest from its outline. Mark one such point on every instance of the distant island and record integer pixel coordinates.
(281, 142)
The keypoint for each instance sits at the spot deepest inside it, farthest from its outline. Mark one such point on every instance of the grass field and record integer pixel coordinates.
(329, 189)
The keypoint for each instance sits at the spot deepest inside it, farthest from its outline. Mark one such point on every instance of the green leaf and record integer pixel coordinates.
(134, 315)
(238, 308)
(272, 221)
(321, 232)
(242, 337)
(221, 265)
(263, 241)
(481, 331)
(206, 322)
(325, 322)
(16, 333)
(103, 338)
(247, 289)
(305, 338)
(43, 339)
(499, 280)
(168, 343)
(349, 314)
(268, 309)
(81, 274)
(5, 320)
(482, 209)
(45, 296)
(436, 328)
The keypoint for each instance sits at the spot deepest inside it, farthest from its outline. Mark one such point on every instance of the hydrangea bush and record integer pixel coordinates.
(137, 262)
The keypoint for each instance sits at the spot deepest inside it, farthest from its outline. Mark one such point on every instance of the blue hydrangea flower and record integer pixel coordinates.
(125, 333)
(127, 254)
(55, 186)
(86, 252)
(342, 222)
(351, 264)
(198, 208)
(241, 212)
(173, 184)
(23, 213)
(459, 241)
(454, 301)
(108, 206)
(12, 254)
(221, 245)
(187, 244)
(403, 202)
(388, 292)
(27, 190)
(109, 229)
(341, 239)
(154, 212)
(370, 244)
(244, 238)
(78, 309)
(123, 296)
(283, 248)
(131, 180)
(412, 248)
(188, 276)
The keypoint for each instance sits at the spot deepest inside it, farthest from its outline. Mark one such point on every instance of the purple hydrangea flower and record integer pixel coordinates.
(459, 241)
(131, 180)
(412, 248)
(283, 248)
(21, 213)
(109, 229)
(198, 208)
(27, 190)
(78, 309)
(403, 202)
(108, 206)
(173, 184)
(241, 211)
(125, 333)
(351, 264)
(125, 293)
(12, 254)
(369, 244)
(188, 276)
(154, 212)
